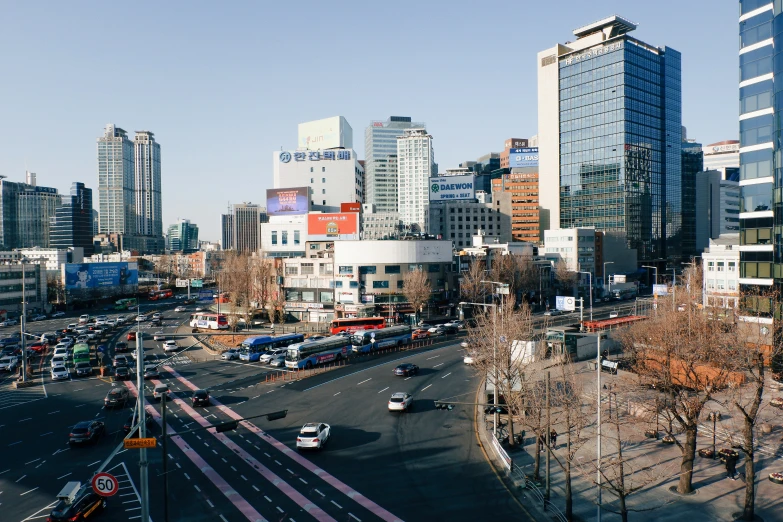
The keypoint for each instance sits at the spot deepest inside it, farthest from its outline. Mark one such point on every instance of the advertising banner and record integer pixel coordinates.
(566, 303)
(519, 158)
(343, 225)
(660, 290)
(350, 207)
(81, 276)
(287, 201)
(446, 188)
(205, 295)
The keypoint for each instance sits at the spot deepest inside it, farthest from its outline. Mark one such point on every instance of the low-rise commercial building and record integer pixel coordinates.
(35, 288)
(460, 219)
(720, 262)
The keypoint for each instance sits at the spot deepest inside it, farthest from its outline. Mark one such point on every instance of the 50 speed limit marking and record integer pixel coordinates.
(104, 484)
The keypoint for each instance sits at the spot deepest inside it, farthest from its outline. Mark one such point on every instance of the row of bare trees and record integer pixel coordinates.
(686, 362)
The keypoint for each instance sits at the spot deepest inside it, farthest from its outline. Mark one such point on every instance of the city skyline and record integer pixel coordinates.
(466, 118)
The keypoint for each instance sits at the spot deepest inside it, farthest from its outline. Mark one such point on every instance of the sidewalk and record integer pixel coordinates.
(715, 499)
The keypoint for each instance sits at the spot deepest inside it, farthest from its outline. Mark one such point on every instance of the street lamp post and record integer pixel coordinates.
(22, 322)
(598, 419)
(606, 279)
(143, 463)
(655, 282)
(590, 290)
(674, 283)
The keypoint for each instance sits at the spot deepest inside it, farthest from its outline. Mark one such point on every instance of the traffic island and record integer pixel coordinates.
(24, 384)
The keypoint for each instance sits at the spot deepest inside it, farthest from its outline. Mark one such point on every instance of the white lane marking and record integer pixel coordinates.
(80, 406)
(38, 466)
(53, 412)
(20, 478)
(441, 364)
(288, 470)
(215, 452)
(278, 463)
(94, 463)
(224, 519)
(426, 387)
(265, 453)
(177, 463)
(446, 375)
(210, 503)
(197, 488)
(383, 390)
(9, 469)
(186, 476)
(58, 478)
(435, 357)
(354, 517)
(303, 480)
(336, 394)
(336, 504)
(280, 509)
(254, 487)
(15, 443)
(243, 477)
(319, 492)
(26, 492)
(36, 460)
(232, 467)
(366, 380)
(269, 499)
(47, 433)
(224, 460)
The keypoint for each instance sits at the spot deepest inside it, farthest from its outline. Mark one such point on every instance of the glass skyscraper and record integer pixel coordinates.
(149, 214)
(380, 164)
(116, 183)
(72, 225)
(610, 138)
(761, 169)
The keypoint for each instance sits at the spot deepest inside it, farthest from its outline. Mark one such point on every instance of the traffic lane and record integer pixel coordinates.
(225, 376)
(311, 483)
(243, 471)
(38, 460)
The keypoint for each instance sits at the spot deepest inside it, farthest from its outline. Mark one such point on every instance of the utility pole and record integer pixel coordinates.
(22, 322)
(143, 464)
(165, 460)
(598, 414)
(548, 436)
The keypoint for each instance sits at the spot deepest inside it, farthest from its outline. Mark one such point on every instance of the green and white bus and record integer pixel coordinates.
(81, 353)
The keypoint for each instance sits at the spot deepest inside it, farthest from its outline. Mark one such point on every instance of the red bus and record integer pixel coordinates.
(359, 323)
(160, 294)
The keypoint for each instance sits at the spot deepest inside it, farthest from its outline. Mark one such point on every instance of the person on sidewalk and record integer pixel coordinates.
(553, 439)
(731, 466)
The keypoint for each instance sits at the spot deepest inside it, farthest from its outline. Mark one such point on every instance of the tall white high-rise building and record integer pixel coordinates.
(415, 164)
(116, 183)
(149, 213)
(380, 161)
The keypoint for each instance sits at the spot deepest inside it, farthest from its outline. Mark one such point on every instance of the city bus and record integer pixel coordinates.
(357, 323)
(125, 304)
(311, 353)
(254, 347)
(367, 341)
(81, 353)
(160, 294)
(208, 321)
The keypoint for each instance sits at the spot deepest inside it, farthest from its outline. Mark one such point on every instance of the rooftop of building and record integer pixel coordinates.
(724, 142)
(612, 26)
(726, 240)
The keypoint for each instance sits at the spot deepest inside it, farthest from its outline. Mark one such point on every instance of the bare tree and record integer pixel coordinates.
(416, 288)
(752, 357)
(566, 278)
(499, 345)
(692, 281)
(683, 354)
(519, 272)
(470, 286)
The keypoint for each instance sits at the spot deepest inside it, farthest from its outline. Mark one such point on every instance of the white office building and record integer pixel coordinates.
(379, 225)
(575, 246)
(380, 161)
(327, 133)
(284, 236)
(334, 176)
(416, 164)
(720, 264)
(721, 154)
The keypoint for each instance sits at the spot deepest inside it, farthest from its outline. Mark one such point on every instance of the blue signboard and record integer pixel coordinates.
(80, 276)
(519, 158)
(205, 295)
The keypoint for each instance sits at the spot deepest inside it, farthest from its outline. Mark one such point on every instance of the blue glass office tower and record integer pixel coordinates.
(761, 169)
(618, 161)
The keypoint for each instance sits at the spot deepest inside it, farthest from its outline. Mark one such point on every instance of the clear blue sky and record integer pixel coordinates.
(222, 85)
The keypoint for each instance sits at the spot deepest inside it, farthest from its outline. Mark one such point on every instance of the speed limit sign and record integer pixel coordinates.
(104, 484)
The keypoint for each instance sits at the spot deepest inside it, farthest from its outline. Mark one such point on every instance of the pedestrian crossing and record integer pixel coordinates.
(11, 396)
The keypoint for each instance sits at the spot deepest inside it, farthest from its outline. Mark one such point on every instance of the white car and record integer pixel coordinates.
(179, 309)
(81, 330)
(278, 361)
(613, 314)
(9, 322)
(9, 363)
(170, 346)
(141, 318)
(59, 373)
(121, 319)
(313, 435)
(267, 356)
(58, 361)
(101, 319)
(400, 402)
(157, 315)
(84, 318)
(111, 322)
(38, 318)
(60, 350)
(58, 314)
(160, 335)
(230, 355)
(468, 359)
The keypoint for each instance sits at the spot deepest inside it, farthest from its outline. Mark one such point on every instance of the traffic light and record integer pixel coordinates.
(277, 415)
(440, 405)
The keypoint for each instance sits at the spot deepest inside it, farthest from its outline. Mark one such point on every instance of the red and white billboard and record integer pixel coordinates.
(324, 227)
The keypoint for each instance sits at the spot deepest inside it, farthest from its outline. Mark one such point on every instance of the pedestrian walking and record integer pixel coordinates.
(553, 439)
(731, 466)
(540, 441)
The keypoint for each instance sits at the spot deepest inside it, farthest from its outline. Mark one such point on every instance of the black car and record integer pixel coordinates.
(132, 421)
(83, 505)
(83, 369)
(122, 373)
(406, 369)
(86, 431)
(120, 347)
(200, 398)
(116, 397)
(151, 372)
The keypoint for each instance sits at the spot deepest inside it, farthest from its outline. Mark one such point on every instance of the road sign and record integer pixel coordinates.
(565, 303)
(104, 484)
(150, 442)
(182, 283)
(196, 283)
(660, 290)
